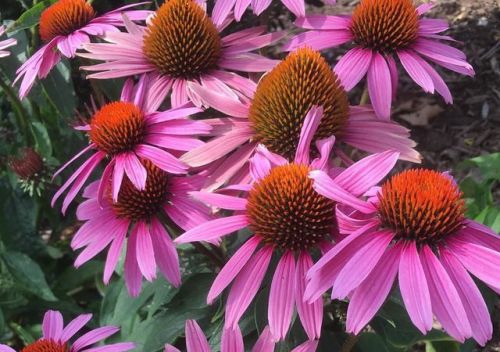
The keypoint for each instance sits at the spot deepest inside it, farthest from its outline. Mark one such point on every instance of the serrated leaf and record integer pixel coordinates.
(28, 275)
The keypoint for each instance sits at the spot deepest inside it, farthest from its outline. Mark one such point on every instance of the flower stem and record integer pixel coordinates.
(365, 98)
(349, 343)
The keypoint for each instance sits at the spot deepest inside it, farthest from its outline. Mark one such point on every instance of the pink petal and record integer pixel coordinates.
(265, 343)
(391, 63)
(309, 127)
(170, 348)
(380, 86)
(323, 22)
(414, 289)
(118, 173)
(281, 296)
(195, 339)
(232, 341)
(246, 285)
(412, 64)
(446, 303)
(219, 101)
(145, 251)
(74, 326)
(161, 158)
(371, 294)
(221, 10)
(473, 302)
(214, 229)
(221, 200)
(133, 277)
(232, 268)
(165, 253)
(297, 7)
(260, 5)
(310, 314)
(318, 39)
(136, 172)
(308, 346)
(361, 264)
(353, 66)
(329, 188)
(114, 253)
(94, 336)
(52, 325)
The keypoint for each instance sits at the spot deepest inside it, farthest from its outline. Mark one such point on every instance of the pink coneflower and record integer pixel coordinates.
(64, 27)
(122, 132)
(276, 115)
(4, 44)
(413, 227)
(181, 44)
(288, 218)
(56, 337)
(380, 30)
(139, 213)
(223, 8)
(232, 341)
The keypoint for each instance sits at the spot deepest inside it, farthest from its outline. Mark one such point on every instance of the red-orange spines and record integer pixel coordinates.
(385, 25)
(285, 95)
(134, 204)
(181, 40)
(286, 212)
(28, 166)
(64, 17)
(45, 346)
(422, 205)
(117, 127)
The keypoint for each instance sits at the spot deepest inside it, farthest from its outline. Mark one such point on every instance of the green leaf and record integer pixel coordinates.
(489, 165)
(31, 17)
(58, 88)
(490, 216)
(42, 139)
(28, 275)
(370, 342)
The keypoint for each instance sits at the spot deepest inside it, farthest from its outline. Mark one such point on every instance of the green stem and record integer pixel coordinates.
(349, 343)
(19, 110)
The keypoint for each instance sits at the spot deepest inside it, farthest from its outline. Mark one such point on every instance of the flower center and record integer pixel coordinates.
(285, 95)
(286, 212)
(45, 346)
(421, 205)
(28, 166)
(385, 25)
(117, 127)
(64, 17)
(181, 40)
(134, 204)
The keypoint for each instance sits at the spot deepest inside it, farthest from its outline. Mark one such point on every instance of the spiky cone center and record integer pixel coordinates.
(385, 25)
(28, 166)
(45, 346)
(181, 40)
(286, 94)
(421, 205)
(64, 17)
(117, 127)
(286, 212)
(135, 204)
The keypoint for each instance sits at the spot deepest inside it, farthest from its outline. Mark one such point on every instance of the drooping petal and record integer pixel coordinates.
(473, 302)
(414, 288)
(281, 296)
(195, 339)
(135, 171)
(114, 252)
(232, 340)
(246, 285)
(214, 229)
(308, 346)
(165, 253)
(161, 158)
(220, 200)
(145, 251)
(265, 343)
(371, 294)
(309, 127)
(353, 66)
(412, 65)
(133, 277)
(380, 86)
(446, 303)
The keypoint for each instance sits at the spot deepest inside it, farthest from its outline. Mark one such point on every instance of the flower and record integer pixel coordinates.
(276, 115)
(180, 45)
(413, 227)
(287, 218)
(380, 30)
(56, 337)
(232, 341)
(140, 214)
(223, 8)
(122, 132)
(64, 27)
(4, 44)
(29, 166)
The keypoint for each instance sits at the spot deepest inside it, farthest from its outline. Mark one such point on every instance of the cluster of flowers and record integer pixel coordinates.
(273, 154)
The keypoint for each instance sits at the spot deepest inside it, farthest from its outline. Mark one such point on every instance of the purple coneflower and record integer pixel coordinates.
(276, 114)
(64, 27)
(381, 30)
(412, 227)
(181, 44)
(56, 337)
(122, 132)
(287, 218)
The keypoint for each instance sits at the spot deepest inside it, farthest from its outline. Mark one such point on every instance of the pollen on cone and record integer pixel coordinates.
(45, 346)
